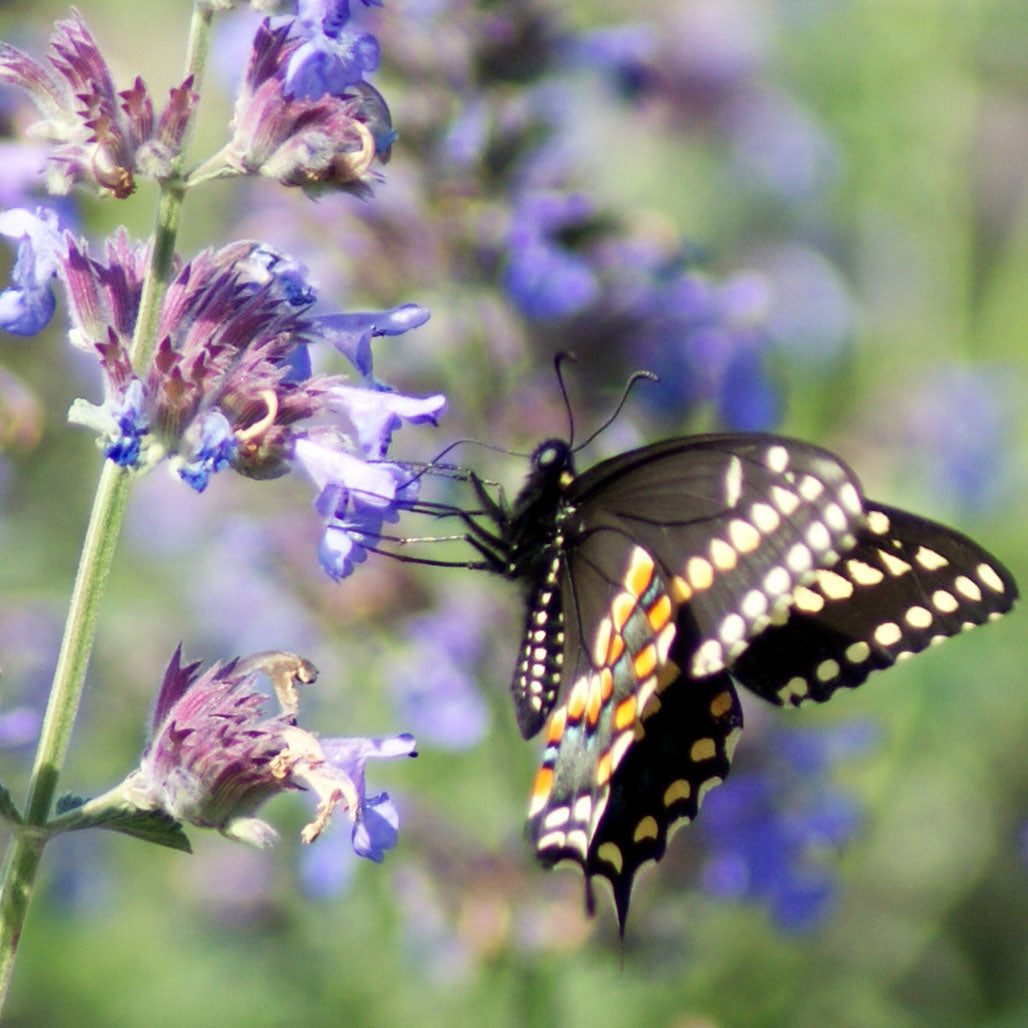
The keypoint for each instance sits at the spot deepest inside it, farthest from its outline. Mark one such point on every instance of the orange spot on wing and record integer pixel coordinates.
(541, 788)
(614, 651)
(624, 714)
(660, 613)
(645, 661)
(555, 728)
(577, 700)
(595, 704)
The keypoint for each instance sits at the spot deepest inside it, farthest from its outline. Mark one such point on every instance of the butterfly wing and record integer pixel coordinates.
(909, 583)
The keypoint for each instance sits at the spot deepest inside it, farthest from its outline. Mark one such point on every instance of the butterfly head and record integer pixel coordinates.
(552, 462)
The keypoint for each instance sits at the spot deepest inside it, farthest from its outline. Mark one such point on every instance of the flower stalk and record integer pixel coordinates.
(18, 877)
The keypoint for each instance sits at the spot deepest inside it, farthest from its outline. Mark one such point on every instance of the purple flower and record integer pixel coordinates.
(230, 385)
(99, 135)
(214, 757)
(286, 127)
(351, 333)
(768, 832)
(355, 498)
(545, 276)
(435, 682)
(27, 305)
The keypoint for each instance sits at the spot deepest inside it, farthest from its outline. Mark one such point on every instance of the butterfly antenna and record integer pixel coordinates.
(637, 376)
(558, 366)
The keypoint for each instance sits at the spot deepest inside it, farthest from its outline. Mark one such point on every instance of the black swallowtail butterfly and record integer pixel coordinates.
(660, 580)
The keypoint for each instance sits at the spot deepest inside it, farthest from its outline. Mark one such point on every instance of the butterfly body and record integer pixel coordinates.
(658, 581)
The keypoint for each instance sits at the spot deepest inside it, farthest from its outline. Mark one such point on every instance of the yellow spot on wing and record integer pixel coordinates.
(677, 791)
(621, 610)
(640, 572)
(647, 828)
(721, 704)
(609, 853)
(703, 749)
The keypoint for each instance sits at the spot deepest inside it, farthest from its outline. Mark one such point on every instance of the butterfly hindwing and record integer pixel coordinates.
(688, 733)
(907, 584)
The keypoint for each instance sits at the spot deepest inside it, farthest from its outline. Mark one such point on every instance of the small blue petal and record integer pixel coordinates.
(342, 547)
(215, 451)
(375, 830)
(28, 304)
(24, 312)
(375, 414)
(324, 64)
(351, 333)
(327, 16)
(298, 364)
(132, 424)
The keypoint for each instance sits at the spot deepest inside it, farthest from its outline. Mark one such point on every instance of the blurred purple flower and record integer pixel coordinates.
(956, 427)
(625, 53)
(768, 831)
(27, 305)
(436, 681)
(544, 276)
(780, 146)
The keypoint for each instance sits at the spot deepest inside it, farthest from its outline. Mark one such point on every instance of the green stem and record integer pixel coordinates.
(22, 862)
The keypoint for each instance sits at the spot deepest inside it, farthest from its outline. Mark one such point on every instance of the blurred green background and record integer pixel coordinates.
(917, 114)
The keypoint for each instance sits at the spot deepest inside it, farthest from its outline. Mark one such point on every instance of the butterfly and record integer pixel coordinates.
(659, 581)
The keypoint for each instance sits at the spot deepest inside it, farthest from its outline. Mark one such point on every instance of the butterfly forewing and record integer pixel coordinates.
(736, 522)
(907, 584)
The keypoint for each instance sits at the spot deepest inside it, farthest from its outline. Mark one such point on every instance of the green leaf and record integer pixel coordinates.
(154, 826)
